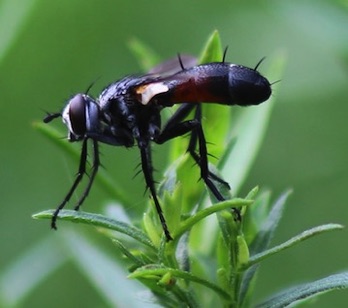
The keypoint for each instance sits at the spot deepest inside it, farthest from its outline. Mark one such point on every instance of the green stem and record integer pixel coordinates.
(190, 222)
(144, 272)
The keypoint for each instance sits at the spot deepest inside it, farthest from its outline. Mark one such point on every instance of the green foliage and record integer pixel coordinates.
(212, 260)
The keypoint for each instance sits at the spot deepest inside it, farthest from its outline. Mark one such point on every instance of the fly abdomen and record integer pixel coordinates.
(217, 82)
(247, 86)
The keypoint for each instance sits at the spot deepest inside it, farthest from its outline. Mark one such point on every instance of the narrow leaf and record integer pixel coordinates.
(216, 118)
(131, 257)
(293, 241)
(98, 220)
(268, 228)
(212, 51)
(145, 55)
(262, 240)
(305, 291)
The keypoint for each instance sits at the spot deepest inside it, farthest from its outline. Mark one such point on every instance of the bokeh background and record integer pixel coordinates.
(50, 50)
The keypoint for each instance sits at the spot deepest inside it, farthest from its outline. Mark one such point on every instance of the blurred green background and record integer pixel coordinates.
(50, 50)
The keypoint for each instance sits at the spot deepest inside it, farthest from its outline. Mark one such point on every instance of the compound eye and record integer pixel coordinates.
(77, 114)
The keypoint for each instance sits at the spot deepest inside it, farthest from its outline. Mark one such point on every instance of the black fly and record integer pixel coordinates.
(128, 112)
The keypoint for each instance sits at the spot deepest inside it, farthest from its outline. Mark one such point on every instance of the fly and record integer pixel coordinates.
(128, 113)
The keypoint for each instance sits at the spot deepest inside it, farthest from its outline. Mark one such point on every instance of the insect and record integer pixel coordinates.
(128, 113)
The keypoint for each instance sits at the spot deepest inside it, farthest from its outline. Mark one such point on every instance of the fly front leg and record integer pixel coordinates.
(79, 176)
(95, 167)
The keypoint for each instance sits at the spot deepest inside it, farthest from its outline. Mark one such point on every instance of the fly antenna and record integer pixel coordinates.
(224, 54)
(51, 116)
(258, 63)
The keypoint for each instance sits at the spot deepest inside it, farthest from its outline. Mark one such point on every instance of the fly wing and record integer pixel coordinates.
(174, 65)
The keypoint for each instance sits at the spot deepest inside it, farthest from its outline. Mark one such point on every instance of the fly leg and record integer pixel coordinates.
(202, 160)
(79, 176)
(146, 164)
(95, 167)
(197, 136)
(177, 127)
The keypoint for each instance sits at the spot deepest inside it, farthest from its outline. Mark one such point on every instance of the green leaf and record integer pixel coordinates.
(305, 291)
(267, 229)
(243, 252)
(180, 189)
(98, 220)
(252, 193)
(212, 51)
(263, 238)
(145, 55)
(131, 257)
(102, 179)
(216, 118)
(293, 241)
(256, 216)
